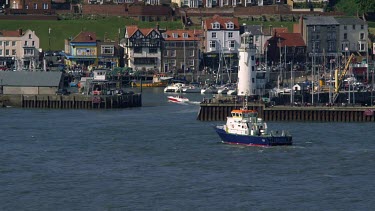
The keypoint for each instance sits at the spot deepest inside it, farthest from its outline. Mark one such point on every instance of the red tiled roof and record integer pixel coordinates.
(291, 39)
(145, 31)
(85, 36)
(15, 33)
(192, 35)
(222, 21)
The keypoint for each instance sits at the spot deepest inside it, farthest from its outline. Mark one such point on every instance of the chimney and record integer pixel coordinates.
(20, 32)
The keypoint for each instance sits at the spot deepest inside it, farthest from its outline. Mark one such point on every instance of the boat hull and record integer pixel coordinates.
(152, 84)
(177, 99)
(253, 140)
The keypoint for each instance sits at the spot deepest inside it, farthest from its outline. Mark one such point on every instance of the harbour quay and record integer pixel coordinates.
(72, 101)
(219, 110)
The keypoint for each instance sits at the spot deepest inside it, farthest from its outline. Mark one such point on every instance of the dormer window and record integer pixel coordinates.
(185, 35)
(174, 35)
(164, 35)
(230, 25)
(216, 25)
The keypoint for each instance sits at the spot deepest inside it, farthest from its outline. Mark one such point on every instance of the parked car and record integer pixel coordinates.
(62, 92)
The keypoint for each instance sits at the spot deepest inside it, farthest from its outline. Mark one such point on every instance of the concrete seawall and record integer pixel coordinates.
(73, 101)
(220, 111)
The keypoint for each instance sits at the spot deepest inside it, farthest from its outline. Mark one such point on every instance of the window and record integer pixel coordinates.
(361, 46)
(28, 51)
(152, 50)
(13, 43)
(232, 44)
(331, 46)
(27, 7)
(29, 36)
(190, 53)
(35, 6)
(191, 62)
(45, 6)
(25, 43)
(173, 53)
(1, 43)
(172, 62)
(7, 52)
(230, 25)
(107, 49)
(1, 52)
(252, 58)
(212, 44)
(174, 35)
(253, 80)
(230, 34)
(345, 36)
(13, 52)
(345, 27)
(146, 61)
(185, 35)
(362, 27)
(165, 53)
(33, 43)
(215, 25)
(256, 38)
(362, 36)
(6, 43)
(214, 35)
(164, 35)
(353, 27)
(138, 50)
(252, 68)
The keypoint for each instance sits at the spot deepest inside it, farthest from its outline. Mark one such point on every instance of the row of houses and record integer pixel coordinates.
(47, 4)
(214, 46)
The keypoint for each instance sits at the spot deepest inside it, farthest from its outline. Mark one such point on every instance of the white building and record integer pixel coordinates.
(19, 49)
(142, 48)
(246, 85)
(221, 43)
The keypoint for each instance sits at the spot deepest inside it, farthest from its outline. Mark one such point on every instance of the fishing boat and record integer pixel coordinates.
(178, 99)
(245, 128)
(158, 80)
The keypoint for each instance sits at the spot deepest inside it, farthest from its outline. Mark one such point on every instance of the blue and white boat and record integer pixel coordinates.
(245, 128)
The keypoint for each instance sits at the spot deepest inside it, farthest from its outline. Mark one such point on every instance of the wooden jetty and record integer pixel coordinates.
(72, 101)
(218, 111)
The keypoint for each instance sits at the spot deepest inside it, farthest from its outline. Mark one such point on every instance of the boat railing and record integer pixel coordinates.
(280, 133)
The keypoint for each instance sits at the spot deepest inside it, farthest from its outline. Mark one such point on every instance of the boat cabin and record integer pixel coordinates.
(244, 114)
(100, 74)
(245, 122)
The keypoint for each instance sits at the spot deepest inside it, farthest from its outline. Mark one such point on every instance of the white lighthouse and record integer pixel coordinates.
(246, 85)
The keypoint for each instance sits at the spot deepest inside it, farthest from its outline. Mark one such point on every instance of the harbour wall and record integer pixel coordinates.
(73, 101)
(220, 111)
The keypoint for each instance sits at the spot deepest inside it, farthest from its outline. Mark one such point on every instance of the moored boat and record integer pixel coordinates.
(245, 128)
(191, 89)
(176, 87)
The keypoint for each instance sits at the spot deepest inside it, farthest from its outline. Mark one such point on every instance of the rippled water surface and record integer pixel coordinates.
(159, 157)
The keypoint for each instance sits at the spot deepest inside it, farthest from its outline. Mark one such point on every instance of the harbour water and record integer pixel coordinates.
(159, 157)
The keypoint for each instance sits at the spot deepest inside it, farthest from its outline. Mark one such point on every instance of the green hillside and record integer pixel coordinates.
(63, 29)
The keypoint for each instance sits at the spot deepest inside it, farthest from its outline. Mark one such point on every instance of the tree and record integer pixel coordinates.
(365, 5)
